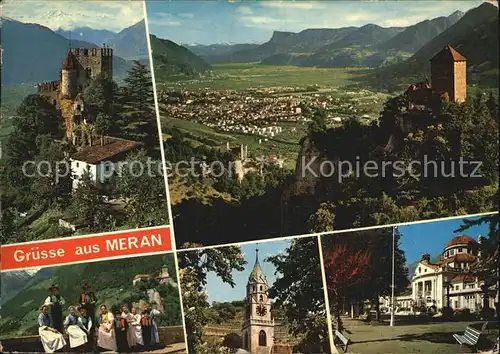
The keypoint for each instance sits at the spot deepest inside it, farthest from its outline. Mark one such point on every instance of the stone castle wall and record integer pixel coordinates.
(460, 78)
(98, 60)
(170, 335)
(68, 83)
(282, 349)
(442, 76)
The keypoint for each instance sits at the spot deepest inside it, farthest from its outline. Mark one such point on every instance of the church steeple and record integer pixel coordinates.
(257, 274)
(258, 327)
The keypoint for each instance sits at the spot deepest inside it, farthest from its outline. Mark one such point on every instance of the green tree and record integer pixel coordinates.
(194, 267)
(7, 225)
(299, 291)
(323, 219)
(103, 125)
(51, 181)
(142, 185)
(35, 116)
(101, 96)
(318, 124)
(89, 206)
(486, 269)
(138, 117)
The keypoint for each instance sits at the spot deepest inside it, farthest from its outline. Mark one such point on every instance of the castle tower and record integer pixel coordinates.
(91, 63)
(69, 76)
(258, 327)
(449, 74)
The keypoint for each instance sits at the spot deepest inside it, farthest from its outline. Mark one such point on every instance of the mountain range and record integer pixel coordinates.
(14, 282)
(42, 50)
(87, 34)
(171, 59)
(369, 45)
(395, 55)
(475, 36)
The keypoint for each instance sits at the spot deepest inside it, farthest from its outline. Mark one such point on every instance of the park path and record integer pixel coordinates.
(429, 338)
(171, 348)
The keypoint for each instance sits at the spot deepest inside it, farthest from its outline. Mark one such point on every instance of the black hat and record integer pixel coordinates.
(53, 286)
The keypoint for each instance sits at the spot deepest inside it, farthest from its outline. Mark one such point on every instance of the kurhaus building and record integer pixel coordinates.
(448, 282)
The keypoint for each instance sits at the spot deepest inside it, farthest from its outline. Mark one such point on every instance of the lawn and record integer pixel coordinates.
(409, 338)
(247, 76)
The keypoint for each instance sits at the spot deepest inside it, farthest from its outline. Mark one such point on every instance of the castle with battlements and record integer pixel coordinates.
(79, 68)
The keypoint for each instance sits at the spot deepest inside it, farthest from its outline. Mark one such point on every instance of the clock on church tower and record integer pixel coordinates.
(258, 327)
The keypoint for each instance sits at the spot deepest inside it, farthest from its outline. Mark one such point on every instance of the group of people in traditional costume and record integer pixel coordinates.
(122, 331)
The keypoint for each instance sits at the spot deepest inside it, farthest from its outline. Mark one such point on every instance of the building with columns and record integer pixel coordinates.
(448, 282)
(258, 325)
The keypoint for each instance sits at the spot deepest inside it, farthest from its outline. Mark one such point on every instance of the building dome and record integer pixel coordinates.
(460, 240)
(69, 62)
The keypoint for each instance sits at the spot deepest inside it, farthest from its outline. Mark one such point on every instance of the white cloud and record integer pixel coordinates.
(359, 17)
(293, 5)
(261, 21)
(402, 22)
(110, 15)
(186, 15)
(245, 10)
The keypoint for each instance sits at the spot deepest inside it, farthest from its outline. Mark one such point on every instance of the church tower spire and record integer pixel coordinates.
(258, 327)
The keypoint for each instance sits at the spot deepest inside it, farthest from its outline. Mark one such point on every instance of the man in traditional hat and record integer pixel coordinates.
(55, 302)
(88, 300)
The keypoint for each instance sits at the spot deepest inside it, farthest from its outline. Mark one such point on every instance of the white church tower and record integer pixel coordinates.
(258, 327)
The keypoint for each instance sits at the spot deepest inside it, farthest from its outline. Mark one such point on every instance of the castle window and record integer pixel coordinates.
(262, 339)
(78, 107)
(261, 288)
(86, 52)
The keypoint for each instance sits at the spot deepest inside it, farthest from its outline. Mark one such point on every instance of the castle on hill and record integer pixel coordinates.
(79, 68)
(448, 83)
(448, 80)
(101, 157)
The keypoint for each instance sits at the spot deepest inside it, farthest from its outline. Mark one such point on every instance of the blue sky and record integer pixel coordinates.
(222, 292)
(109, 15)
(432, 237)
(208, 22)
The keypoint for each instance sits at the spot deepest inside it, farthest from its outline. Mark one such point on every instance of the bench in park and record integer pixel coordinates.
(344, 342)
(470, 337)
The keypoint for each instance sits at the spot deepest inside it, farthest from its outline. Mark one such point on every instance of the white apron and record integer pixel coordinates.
(77, 336)
(51, 341)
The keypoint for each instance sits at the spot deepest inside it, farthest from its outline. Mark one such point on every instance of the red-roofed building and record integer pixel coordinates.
(101, 159)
